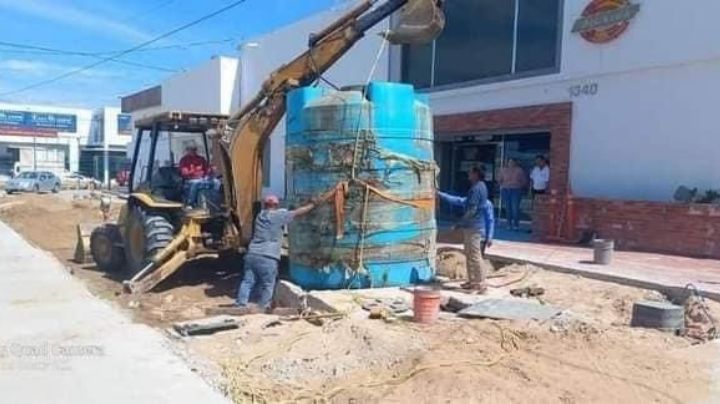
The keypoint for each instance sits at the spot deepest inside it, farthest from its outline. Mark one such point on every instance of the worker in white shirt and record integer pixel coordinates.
(540, 176)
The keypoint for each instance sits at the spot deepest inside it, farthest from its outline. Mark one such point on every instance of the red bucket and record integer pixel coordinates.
(426, 305)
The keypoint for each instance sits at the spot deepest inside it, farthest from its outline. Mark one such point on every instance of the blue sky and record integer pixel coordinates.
(94, 26)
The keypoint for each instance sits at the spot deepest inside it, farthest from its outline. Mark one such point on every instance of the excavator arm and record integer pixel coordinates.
(249, 129)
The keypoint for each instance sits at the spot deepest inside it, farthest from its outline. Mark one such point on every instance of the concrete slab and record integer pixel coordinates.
(510, 309)
(62, 345)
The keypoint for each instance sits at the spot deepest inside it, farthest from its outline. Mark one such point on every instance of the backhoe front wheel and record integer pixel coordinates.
(146, 233)
(106, 248)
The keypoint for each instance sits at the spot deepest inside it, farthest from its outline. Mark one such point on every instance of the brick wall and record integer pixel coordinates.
(673, 228)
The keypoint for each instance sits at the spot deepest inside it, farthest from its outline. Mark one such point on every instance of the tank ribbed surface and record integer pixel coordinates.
(378, 228)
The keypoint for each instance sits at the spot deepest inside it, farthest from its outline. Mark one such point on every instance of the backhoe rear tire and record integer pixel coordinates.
(146, 233)
(105, 247)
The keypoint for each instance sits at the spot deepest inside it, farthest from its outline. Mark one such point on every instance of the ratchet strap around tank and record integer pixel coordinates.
(339, 193)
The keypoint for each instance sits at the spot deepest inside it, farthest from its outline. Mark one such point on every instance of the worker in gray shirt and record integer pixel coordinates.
(263, 254)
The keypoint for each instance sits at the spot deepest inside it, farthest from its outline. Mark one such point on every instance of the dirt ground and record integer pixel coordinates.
(48, 221)
(588, 354)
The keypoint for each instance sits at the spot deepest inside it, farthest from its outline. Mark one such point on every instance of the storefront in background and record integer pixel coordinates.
(623, 124)
(457, 154)
(39, 138)
(60, 140)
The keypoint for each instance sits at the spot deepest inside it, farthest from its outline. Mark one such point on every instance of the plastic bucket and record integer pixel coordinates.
(603, 251)
(426, 305)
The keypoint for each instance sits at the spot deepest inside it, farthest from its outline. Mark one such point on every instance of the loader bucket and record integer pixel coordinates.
(419, 22)
(82, 245)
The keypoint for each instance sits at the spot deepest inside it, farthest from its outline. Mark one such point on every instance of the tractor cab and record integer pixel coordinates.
(174, 203)
(172, 161)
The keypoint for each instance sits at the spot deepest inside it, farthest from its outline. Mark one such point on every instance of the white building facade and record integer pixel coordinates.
(102, 153)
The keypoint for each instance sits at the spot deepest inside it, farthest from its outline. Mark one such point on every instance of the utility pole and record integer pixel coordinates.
(106, 154)
(34, 152)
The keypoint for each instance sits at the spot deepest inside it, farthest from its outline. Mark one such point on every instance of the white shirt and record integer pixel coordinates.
(540, 178)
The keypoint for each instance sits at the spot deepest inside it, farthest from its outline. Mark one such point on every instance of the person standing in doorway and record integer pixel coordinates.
(263, 254)
(512, 182)
(540, 176)
(477, 226)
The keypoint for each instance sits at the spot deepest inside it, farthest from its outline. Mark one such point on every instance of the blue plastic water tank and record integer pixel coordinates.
(387, 214)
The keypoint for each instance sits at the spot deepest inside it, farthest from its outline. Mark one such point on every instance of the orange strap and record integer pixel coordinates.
(339, 193)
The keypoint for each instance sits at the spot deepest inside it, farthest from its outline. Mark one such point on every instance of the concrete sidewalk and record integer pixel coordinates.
(59, 344)
(645, 270)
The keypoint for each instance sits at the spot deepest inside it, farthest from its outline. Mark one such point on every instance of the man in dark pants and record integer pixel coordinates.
(263, 254)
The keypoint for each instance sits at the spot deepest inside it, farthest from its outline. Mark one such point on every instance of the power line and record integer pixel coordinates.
(188, 45)
(41, 50)
(125, 52)
(86, 54)
(142, 14)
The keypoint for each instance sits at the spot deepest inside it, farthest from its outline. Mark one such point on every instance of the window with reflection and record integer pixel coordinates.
(488, 40)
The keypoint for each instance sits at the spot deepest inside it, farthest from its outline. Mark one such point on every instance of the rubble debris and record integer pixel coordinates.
(454, 305)
(700, 325)
(313, 318)
(510, 309)
(206, 326)
(378, 313)
(567, 323)
(233, 310)
(396, 306)
(527, 292)
(270, 324)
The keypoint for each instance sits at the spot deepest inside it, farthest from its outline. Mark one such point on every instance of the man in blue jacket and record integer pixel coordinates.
(477, 225)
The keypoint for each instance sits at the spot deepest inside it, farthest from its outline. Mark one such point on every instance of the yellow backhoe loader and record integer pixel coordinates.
(156, 233)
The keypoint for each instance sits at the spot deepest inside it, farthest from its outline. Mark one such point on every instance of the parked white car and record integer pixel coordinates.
(79, 181)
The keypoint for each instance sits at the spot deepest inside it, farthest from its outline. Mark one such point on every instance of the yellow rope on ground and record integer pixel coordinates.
(281, 347)
(509, 342)
(508, 283)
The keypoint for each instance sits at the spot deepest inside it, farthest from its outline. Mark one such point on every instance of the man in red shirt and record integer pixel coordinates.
(193, 166)
(194, 169)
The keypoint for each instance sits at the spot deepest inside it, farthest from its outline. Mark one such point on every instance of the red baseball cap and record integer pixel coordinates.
(271, 200)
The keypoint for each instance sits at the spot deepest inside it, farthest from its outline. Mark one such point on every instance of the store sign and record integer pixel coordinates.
(124, 124)
(36, 123)
(603, 21)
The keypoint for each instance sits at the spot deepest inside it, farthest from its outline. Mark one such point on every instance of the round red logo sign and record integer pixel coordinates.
(605, 20)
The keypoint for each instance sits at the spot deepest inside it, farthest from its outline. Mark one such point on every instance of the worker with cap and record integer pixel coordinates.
(263, 254)
(194, 169)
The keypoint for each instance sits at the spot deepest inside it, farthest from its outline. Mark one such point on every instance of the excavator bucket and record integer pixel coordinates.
(82, 244)
(419, 22)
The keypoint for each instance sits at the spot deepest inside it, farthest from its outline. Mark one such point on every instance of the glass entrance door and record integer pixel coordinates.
(467, 156)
